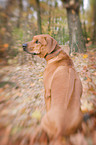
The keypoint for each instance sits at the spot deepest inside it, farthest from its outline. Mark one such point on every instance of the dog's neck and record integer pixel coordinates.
(54, 53)
(52, 60)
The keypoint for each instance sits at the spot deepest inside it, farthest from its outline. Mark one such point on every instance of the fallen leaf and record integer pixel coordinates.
(1, 90)
(73, 12)
(23, 110)
(40, 80)
(86, 106)
(6, 45)
(36, 114)
(89, 79)
(15, 130)
(94, 138)
(85, 67)
(32, 84)
(5, 112)
(6, 135)
(85, 56)
(94, 73)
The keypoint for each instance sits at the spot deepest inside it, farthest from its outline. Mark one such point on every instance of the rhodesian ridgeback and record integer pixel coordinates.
(63, 87)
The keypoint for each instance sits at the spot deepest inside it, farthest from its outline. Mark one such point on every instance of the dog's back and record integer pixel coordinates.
(64, 87)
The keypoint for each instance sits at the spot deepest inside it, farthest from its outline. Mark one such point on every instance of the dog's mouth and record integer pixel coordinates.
(33, 53)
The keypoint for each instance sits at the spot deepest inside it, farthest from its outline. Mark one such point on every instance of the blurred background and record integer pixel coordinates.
(20, 20)
(73, 24)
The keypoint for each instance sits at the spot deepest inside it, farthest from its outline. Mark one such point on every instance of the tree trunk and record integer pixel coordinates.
(38, 17)
(6, 37)
(77, 43)
(49, 20)
(84, 25)
(94, 19)
(20, 13)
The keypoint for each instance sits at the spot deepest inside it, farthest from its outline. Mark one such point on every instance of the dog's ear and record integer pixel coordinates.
(43, 41)
(51, 44)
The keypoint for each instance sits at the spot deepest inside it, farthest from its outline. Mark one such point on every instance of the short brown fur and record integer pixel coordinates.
(62, 88)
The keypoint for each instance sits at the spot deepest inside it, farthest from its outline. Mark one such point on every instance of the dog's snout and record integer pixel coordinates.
(24, 46)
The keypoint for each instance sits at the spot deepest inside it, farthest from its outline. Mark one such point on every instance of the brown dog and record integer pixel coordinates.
(62, 87)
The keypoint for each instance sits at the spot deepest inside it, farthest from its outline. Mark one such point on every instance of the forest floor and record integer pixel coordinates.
(22, 100)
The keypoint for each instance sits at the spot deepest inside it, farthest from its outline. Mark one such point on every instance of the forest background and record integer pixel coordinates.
(73, 24)
(20, 20)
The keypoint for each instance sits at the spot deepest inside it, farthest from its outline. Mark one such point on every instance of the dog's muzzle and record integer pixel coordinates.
(25, 49)
(24, 46)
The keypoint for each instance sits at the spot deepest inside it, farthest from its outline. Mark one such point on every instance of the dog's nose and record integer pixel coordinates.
(24, 46)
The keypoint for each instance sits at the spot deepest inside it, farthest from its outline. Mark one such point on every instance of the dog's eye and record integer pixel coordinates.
(37, 41)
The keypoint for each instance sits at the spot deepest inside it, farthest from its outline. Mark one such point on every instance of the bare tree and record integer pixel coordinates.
(20, 12)
(77, 43)
(94, 19)
(38, 16)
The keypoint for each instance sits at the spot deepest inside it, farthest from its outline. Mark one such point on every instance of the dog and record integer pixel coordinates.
(63, 87)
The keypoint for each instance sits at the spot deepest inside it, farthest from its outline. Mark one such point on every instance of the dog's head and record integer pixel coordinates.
(41, 45)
